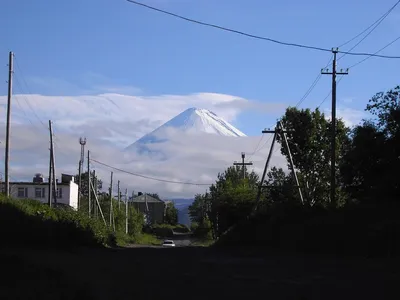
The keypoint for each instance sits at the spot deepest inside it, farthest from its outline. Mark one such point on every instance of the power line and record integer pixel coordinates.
(378, 22)
(330, 92)
(256, 148)
(254, 36)
(25, 98)
(383, 48)
(312, 86)
(149, 177)
(380, 19)
(356, 64)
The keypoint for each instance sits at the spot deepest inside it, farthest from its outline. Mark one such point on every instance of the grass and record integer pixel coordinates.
(203, 243)
(147, 239)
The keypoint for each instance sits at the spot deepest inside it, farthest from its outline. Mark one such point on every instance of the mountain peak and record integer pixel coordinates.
(194, 120)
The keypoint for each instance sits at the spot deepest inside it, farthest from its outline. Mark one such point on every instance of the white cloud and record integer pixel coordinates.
(351, 117)
(112, 121)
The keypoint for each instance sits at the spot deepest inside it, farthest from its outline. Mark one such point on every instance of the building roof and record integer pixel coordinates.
(146, 198)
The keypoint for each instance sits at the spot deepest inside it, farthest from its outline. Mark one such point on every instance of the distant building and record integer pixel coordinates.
(152, 208)
(38, 189)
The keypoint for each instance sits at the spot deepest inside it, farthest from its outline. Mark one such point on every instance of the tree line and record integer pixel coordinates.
(367, 156)
(136, 218)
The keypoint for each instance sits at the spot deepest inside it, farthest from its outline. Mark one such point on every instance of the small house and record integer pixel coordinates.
(38, 189)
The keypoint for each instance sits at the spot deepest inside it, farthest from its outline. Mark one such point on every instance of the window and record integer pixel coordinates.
(22, 192)
(40, 192)
(59, 192)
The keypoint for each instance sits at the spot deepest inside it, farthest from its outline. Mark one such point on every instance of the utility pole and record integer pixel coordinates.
(82, 142)
(333, 120)
(89, 182)
(126, 211)
(7, 154)
(94, 183)
(111, 204)
(279, 130)
(243, 164)
(53, 162)
(119, 197)
(50, 164)
(97, 200)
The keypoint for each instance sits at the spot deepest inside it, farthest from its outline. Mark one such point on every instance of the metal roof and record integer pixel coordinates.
(146, 198)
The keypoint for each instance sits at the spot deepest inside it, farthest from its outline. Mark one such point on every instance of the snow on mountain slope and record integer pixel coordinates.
(203, 120)
(190, 120)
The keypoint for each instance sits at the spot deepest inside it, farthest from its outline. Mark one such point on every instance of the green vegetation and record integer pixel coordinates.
(363, 221)
(167, 230)
(147, 239)
(171, 214)
(29, 222)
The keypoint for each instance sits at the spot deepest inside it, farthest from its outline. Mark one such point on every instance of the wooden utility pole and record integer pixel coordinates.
(89, 182)
(119, 197)
(53, 163)
(50, 165)
(97, 200)
(279, 130)
(111, 198)
(333, 120)
(7, 150)
(243, 164)
(265, 168)
(94, 183)
(82, 142)
(284, 137)
(126, 211)
(80, 183)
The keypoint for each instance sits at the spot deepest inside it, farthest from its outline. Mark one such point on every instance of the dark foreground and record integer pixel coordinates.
(190, 273)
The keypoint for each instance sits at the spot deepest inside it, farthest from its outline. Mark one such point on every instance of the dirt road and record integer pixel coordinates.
(191, 273)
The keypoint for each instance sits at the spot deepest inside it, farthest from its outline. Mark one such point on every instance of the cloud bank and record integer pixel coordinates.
(110, 122)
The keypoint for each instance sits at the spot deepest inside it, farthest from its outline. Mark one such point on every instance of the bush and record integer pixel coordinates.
(202, 231)
(30, 222)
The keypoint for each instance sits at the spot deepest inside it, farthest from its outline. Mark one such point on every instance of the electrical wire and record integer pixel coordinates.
(255, 36)
(149, 177)
(383, 48)
(256, 148)
(358, 63)
(25, 98)
(330, 92)
(375, 24)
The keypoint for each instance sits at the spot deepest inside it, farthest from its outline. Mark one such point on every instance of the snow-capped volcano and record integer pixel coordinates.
(190, 120)
(202, 120)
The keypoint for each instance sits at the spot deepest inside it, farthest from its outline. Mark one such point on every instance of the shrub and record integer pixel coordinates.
(31, 222)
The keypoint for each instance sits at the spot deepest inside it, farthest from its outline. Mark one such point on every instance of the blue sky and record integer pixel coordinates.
(79, 47)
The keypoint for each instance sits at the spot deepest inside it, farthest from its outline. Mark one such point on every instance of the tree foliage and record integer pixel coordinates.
(372, 159)
(84, 184)
(171, 214)
(308, 136)
(229, 200)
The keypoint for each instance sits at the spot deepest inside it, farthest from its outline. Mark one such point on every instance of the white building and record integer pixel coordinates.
(38, 189)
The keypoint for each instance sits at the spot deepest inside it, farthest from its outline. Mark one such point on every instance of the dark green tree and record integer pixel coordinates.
(371, 161)
(171, 214)
(309, 141)
(84, 185)
(229, 200)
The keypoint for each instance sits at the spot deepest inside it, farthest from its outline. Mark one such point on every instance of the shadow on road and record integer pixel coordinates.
(203, 273)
